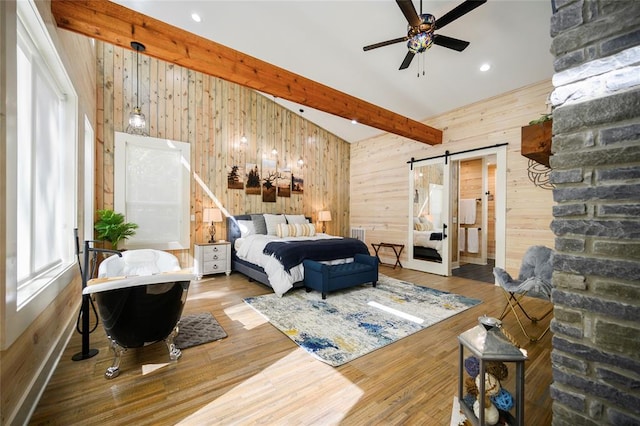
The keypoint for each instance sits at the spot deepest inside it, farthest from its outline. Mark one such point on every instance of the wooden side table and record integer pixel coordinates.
(397, 250)
(212, 258)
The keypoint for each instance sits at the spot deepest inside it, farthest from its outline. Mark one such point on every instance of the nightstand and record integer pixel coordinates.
(212, 258)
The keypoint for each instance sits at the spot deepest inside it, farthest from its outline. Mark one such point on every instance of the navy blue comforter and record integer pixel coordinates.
(292, 253)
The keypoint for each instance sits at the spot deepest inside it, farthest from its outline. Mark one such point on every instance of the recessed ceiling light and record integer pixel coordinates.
(354, 121)
(196, 17)
(485, 67)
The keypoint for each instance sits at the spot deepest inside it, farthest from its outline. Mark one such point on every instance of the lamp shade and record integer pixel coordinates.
(212, 215)
(324, 216)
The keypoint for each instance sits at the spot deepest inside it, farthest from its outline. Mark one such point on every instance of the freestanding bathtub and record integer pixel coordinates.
(140, 297)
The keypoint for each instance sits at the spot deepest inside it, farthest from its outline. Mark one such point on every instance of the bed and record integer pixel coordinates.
(276, 260)
(427, 241)
(427, 245)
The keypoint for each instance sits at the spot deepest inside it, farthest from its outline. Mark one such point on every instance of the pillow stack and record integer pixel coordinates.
(280, 225)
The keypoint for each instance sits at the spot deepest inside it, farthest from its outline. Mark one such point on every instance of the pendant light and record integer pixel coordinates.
(137, 121)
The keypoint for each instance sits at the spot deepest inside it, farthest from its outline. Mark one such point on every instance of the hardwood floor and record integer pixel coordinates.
(259, 376)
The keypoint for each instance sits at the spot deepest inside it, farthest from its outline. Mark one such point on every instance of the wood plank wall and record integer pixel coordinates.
(380, 173)
(212, 115)
(471, 188)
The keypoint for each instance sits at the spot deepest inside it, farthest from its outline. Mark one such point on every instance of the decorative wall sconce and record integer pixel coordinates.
(274, 151)
(324, 216)
(300, 162)
(212, 215)
(137, 121)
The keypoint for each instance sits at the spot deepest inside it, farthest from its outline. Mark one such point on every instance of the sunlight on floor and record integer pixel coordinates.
(396, 312)
(296, 380)
(212, 294)
(150, 368)
(246, 315)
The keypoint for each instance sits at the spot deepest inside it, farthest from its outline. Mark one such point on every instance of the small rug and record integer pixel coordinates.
(353, 322)
(196, 329)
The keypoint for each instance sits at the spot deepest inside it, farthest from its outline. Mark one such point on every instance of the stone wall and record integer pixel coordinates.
(596, 170)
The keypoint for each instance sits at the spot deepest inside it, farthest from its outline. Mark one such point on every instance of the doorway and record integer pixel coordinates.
(476, 241)
(458, 210)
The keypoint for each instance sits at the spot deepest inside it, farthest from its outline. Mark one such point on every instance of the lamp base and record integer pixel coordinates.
(212, 233)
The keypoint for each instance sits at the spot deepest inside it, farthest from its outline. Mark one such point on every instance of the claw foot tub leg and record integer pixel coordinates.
(174, 352)
(114, 370)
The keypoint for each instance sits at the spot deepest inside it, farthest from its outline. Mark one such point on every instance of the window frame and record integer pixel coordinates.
(122, 199)
(24, 302)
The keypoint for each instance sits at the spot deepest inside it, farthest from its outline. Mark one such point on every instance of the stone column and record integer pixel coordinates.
(596, 171)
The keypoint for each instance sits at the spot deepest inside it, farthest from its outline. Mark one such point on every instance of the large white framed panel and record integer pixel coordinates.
(152, 189)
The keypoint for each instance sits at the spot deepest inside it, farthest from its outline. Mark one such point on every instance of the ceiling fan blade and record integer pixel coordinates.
(409, 12)
(407, 61)
(385, 43)
(450, 42)
(457, 12)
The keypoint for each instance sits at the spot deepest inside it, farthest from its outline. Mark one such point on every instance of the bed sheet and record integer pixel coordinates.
(251, 249)
(423, 239)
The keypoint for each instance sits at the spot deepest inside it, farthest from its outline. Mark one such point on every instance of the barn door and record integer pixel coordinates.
(429, 228)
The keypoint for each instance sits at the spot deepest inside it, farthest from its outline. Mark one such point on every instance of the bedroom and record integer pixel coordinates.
(386, 225)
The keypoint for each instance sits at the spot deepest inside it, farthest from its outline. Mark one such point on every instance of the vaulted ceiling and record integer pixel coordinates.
(321, 42)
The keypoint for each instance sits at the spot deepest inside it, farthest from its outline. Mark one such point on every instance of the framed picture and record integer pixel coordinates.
(297, 183)
(234, 177)
(269, 179)
(284, 183)
(252, 179)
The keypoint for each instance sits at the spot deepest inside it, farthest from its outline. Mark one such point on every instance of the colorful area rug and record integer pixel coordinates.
(196, 329)
(353, 322)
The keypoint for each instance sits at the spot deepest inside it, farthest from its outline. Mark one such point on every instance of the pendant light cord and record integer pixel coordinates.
(137, 79)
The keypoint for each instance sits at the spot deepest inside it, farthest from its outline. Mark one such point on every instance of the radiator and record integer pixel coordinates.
(357, 233)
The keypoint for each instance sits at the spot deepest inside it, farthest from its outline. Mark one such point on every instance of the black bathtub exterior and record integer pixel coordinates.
(140, 315)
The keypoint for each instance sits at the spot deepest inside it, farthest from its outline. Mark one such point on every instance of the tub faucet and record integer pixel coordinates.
(85, 274)
(101, 250)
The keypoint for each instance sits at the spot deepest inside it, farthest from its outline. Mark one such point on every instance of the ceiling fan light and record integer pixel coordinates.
(420, 42)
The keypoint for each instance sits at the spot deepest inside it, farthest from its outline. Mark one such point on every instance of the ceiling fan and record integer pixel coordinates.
(420, 30)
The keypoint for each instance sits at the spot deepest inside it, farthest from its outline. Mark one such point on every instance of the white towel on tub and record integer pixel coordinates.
(467, 214)
(473, 242)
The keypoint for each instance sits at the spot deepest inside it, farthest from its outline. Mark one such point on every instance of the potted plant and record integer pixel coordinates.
(112, 227)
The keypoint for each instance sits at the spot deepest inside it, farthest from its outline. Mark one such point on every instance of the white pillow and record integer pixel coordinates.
(296, 218)
(246, 228)
(272, 221)
(305, 230)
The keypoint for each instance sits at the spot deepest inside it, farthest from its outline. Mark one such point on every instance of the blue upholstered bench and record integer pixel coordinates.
(325, 278)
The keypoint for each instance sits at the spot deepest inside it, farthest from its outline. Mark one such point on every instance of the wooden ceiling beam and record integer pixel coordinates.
(118, 25)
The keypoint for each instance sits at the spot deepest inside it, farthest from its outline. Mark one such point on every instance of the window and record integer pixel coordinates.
(41, 174)
(152, 190)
